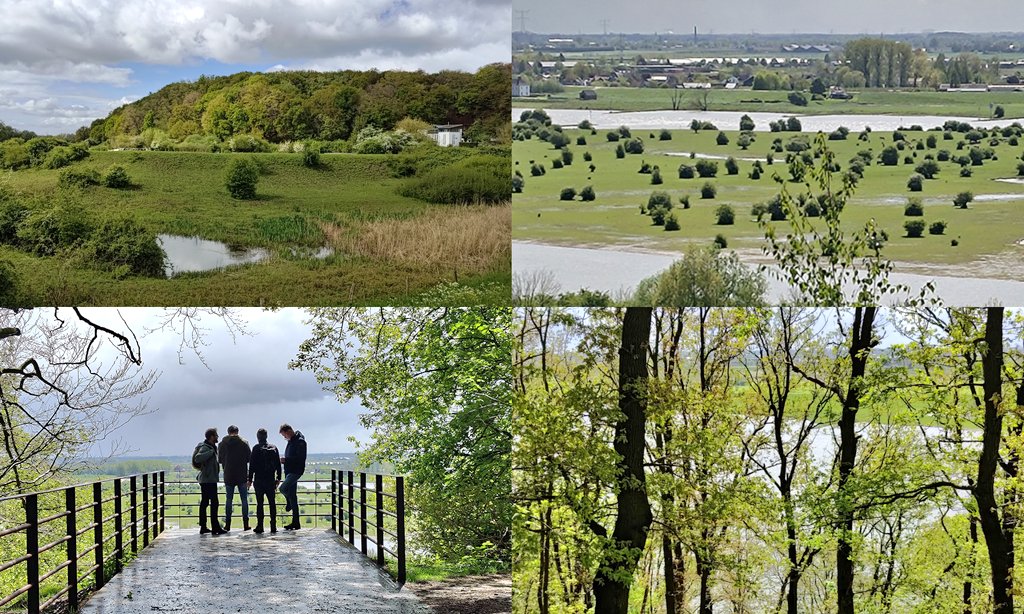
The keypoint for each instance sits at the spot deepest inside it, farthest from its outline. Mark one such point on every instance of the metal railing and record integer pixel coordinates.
(93, 510)
(316, 497)
(356, 505)
(118, 517)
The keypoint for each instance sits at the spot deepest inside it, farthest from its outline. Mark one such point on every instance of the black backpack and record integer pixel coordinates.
(267, 461)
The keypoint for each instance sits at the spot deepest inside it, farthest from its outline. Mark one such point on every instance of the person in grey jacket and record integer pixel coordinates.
(234, 452)
(204, 458)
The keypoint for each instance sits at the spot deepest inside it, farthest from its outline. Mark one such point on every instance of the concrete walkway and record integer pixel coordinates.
(310, 570)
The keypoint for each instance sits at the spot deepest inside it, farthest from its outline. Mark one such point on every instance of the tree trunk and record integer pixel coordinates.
(793, 582)
(860, 345)
(969, 580)
(1000, 554)
(704, 572)
(543, 596)
(633, 509)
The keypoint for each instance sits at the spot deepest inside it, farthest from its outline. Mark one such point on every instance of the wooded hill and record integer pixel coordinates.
(298, 105)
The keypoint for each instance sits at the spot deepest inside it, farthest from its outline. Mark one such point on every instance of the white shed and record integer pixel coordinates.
(447, 135)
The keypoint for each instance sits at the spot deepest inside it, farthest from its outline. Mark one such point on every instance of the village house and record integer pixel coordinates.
(447, 135)
(520, 87)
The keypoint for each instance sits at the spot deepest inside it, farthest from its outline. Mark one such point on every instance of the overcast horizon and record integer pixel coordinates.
(781, 17)
(62, 65)
(247, 384)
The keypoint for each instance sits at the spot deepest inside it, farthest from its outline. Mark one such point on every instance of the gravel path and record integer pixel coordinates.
(309, 570)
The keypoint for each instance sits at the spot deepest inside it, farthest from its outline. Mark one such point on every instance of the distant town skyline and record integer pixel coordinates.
(754, 16)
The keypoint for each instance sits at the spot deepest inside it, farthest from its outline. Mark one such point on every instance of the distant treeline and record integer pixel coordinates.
(328, 106)
(8, 132)
(170, 464)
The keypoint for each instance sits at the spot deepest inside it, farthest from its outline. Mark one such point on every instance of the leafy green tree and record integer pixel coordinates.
(436, 384)
(704, 277)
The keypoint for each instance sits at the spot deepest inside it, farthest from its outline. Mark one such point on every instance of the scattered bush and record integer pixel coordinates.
(46, 231)
(706, 168)
(687, 172)
(567, 157)
(537, 170)
(587, 157)
(122, 242)
(634, 146)
(722, 139)
(671, 221)
(798, 99)
(567, 194)
(684, 200)
(965, 171)
(890, 156)
(479, 179)
(587, 193)
(656, 176)
(517, 184)
(731, 167)
(664, 135)
(725, 215)
(746, 124)
(117, 178)
(612, 136)
(556, 163)
(963, 199)
(914, 228)
(708, 190)
(913, 208)
(915, 183)
(74, 178)
(937, 228)
(243, 175)
(928, 169)
(581, 140)
(720, 241)
(620, 152)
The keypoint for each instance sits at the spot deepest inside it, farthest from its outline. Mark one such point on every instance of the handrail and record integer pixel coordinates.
(111, 516)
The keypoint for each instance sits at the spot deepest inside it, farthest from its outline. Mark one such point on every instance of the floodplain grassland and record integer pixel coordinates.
(992, 225)
(297, 210)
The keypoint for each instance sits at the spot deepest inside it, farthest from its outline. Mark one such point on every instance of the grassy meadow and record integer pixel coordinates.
(388, 248)
(985, 230)
(866, 101)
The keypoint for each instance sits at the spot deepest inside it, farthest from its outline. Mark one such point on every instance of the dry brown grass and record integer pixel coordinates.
(467, 239)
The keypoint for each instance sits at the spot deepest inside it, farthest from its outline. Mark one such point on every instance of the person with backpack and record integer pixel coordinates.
(294, 466)
(204, 460)
(234, 456)
(265, 475)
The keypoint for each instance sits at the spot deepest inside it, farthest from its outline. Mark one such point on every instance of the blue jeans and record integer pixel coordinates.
(243, 494)
(289, 488)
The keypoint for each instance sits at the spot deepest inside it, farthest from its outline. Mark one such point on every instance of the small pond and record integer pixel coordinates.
(188, 254)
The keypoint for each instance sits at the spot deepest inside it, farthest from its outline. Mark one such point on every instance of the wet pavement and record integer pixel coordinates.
(310, 570)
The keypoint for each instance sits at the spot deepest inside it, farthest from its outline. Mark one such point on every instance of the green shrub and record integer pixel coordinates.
(708, 190)
(725, 215)
(914, 208)
(75, 178)
(581, 140)
(671, 221)
(720, 242)
(567, 194)
(122, 242)
(537, 170)
(242, 177)
(612, 136)
(587, 157)
(798, 99)
(937, 228)
(44, 232)
(915, 183)
(59, 157)
(962, 199)
(517, 184)
(620, 152)
(665, 135)
(634, 146)
(722, 139)
(556, 163)
(247, 143)
(706, 168)
(965, 171)
(587, 193)
(914, 228)
(567, 157)
(687, 172)
(684, 200)
(1020, 169)
(8, 284)
(311, 155)
(117, 178)
(12, 214)
(476, 180)
(656, 176)
(731, 167)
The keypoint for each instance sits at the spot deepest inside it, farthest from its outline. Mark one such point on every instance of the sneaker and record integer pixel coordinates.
(258, 529)
(204, 531)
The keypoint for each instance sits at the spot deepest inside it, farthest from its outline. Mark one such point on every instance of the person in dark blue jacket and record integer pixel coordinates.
(294, 466)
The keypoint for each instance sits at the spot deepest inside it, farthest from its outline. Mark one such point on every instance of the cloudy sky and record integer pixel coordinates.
(780, 16)
(64, 63)
(248, 384)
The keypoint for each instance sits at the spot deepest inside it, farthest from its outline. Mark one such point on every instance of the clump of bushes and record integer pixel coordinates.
(671, 221)
(311, 156)
(78, 178)
(915, 183)
(731, 167)
(567, 194)
(687, 172)
(479, 179)
(708, 190)
(722, 139)
(664, 135)
(937, 228)
(122, 243)
(706, 168)
(963, 199)
(587, 193)
(634, 146)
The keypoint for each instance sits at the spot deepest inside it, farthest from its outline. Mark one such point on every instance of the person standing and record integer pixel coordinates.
(234, 456)
(265, 475)
(204, 459)
(294, 466)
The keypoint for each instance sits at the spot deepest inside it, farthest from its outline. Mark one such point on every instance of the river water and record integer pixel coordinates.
(730, 120)
(617, 272)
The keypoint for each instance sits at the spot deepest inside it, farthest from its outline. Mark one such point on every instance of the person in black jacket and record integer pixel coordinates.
(265, 474)
(294, 466)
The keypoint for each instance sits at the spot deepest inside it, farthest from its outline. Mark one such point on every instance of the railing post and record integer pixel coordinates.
(163, 499)
(379, 486)
(362, 512)
(334, 501)
(32, 551)
(134, 486)
(400, 528)
(118, 526)
(97, 518)
(72, 547)
(145, 510)
(351, 515)
(156, 508)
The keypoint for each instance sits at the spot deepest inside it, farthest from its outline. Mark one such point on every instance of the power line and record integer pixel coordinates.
(604, 24)
(522, 20)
